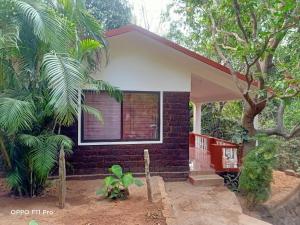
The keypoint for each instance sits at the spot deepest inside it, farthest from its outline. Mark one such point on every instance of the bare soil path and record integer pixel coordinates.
(195, 205)
(83, 208)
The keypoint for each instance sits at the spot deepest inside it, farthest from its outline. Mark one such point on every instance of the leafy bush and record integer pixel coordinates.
(116, 186)
(257, 171)
(33, 222)
(48, 51)
(289, 155)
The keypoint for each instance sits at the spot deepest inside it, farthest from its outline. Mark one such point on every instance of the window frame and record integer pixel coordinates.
(159, 140)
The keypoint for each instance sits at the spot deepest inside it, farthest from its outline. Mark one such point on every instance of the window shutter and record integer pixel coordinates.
(140, 116)
(110, 127)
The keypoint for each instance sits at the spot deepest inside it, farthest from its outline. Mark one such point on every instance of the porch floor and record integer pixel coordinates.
(199, 160)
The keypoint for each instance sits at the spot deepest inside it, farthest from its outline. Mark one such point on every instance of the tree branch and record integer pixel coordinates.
(234, 74)
(279, 129)
(236, 7)
(233, 34)
(254, 23)
(228, 47)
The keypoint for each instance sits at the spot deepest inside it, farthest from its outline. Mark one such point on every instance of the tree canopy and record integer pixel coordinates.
(111, 13)
(259, 39)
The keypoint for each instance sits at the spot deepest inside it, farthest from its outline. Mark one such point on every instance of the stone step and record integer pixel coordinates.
(206, 180)
(205, 172)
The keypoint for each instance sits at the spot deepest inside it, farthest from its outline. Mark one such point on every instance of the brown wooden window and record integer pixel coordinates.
(110, 127)
(136, 118)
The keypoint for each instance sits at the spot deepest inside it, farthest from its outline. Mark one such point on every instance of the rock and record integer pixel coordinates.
(290, 172)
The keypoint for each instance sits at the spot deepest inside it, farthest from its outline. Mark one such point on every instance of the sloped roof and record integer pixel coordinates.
(171, 44)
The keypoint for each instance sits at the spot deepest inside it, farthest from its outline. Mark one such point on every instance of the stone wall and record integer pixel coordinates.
(169, 159)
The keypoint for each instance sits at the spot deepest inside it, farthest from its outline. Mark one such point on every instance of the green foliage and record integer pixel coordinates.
(116, 186)
(112, 13)
(32, 160)
(48, 50)
(16, 114)
(33, 222)
(243, 36)
(64, 78)
(289, 155)
(256, 176)
(222, 120)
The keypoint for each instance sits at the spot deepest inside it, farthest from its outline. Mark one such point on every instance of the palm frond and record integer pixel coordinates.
(91, 25)
(61, 140)
(93, 111)
(9, 35)
(100, 85)
(13, 178)
(64, 78)
(44, 157)
(46, 24)
(87, 46)
(8, 78)
(30, 140)
(33, 16)
(16, 115)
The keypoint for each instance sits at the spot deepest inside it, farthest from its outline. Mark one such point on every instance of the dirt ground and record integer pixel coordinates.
(195, 205)
(281, 187)
(83, 207)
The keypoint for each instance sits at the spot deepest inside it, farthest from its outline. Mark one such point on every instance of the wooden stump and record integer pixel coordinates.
(62, 179)
(147, 174)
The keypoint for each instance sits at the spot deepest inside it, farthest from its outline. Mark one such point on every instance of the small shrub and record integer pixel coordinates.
(116, 186)
(33, 222)
(257, 172)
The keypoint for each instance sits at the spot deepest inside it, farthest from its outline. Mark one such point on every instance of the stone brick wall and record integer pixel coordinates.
(169, 159)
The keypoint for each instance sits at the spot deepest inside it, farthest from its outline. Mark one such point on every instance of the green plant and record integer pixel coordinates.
(259, 39)
(257, 171)
(289, 155)
(33, 222)
(116, 186)
(112, 13)
(48, 49)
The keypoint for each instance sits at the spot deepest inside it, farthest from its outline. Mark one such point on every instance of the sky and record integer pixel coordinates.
(147, 14)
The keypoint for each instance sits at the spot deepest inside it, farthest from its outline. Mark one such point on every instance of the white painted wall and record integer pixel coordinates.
(135, 65)
(140, 63)
(197, 117)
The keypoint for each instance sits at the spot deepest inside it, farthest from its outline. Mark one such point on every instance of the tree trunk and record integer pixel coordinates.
(248, 120)
(4, 153)
(248, 123)
(249, 115)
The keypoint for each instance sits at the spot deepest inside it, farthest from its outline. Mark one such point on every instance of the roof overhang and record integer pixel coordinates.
(210, 81)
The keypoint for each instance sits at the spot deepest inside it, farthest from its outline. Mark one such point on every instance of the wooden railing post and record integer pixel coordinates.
(192, 139)
(62, 179)
(147, 174)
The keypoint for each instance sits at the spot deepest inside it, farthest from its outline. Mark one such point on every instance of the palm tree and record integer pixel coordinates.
(48, 50)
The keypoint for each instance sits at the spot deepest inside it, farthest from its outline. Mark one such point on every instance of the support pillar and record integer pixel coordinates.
(256, 126)
(197, 118)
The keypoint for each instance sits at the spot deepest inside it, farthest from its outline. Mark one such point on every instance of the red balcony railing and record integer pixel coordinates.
(225, 156)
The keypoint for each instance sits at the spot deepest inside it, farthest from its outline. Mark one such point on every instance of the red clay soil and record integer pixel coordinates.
(83, 207)
(281, 187)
